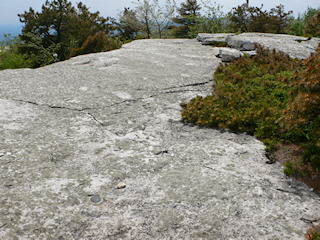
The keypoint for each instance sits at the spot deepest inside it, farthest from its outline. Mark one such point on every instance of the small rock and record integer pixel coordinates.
(250, 53)
(2, 153)
(96, 199)
(207, 38)
(227, 54)
(121, 185)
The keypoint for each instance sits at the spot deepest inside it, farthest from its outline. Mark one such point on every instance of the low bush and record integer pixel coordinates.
(302, 115)
(10, 58)
(313, 233)
(271, 96)
(218, 44)
(96, 43)
(250, 95)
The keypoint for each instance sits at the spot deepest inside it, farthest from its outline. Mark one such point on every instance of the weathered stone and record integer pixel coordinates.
(121, 185)
(250, 53)
(75, 130)
(96, 199)
(2, 153)
(227, 54)
(295, 46)
(210, 38)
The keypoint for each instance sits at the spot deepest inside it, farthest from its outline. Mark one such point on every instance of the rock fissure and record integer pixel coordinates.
(50, 106)
(312, 221)
(208, 167)
(302, 40)
(288, 191)
(95, 119)
(190, 85)
(182, 91)
(3, 225)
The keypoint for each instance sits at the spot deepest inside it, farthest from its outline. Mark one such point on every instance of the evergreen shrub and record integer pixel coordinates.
(96, 43)
(271, 96)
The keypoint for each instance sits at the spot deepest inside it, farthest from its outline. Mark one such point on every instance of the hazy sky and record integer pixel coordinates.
(10, 8)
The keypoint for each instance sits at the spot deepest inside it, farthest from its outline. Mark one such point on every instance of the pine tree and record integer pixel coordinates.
(188, 14)
(57, 29)
(313, 26)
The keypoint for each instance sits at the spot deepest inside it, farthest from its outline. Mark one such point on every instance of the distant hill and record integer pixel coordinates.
(13, 29)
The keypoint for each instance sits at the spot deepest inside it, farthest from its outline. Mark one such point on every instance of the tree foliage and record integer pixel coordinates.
(240, 17)
(10, 58)
(212, 20)
(313, 25)
(297, 26)
(279, 19)
(59, 27)
(254, 19)
(144, 9)
(96, 43)
(189, 12)
(128, 24)
(154, 19)
(163, 15)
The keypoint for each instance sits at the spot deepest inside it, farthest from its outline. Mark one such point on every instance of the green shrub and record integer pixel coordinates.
(218, 44)
(291, 168)
(37, 54)
(313, 26)
(313, 233)
(271, 96)
(250, 95)
(10, 58)
(96, 43)
(302, 115)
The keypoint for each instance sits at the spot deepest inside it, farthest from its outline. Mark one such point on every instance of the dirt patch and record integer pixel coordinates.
(293, 152)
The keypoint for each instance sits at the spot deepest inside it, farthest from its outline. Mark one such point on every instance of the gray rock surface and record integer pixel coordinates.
(227, 54)
(210, 38)
(295, 46)
(72, 131)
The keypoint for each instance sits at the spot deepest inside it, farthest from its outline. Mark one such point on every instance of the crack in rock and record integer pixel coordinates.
(51, 106)
(94, 118)
(310, 220)
(287, 191)
(190, 85)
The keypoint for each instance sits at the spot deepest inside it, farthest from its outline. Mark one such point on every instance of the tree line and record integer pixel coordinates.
(60, 30)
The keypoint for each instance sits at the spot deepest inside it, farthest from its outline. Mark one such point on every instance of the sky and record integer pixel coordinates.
(10, 8)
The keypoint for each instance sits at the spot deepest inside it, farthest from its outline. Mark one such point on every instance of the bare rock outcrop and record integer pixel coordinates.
(227, 54)
(94, 148)
(295, 46)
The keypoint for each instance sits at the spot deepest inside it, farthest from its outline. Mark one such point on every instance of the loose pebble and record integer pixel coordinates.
(121, 185)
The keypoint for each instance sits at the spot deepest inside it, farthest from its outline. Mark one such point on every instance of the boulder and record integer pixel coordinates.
(211, 38)
(295, 46)
(227, 54)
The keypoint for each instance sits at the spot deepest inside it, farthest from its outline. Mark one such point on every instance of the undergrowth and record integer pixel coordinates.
(313, 233)
(272, 96)
(218, 44)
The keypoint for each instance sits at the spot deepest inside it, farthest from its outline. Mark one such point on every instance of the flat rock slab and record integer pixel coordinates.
(209, 38)
(71, 133)
(295, 46)
(227, 54)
